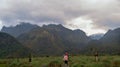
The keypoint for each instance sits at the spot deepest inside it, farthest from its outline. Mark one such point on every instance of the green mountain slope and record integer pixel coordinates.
(54, 40)
(10, 47)
(108, 44)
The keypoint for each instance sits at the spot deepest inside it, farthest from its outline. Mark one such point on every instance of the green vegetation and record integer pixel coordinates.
(75, 61)
(54, 40)
(10, 47)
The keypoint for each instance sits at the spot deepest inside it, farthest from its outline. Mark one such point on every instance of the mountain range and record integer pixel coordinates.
(108, 44)
(55, 39)
(18, 29)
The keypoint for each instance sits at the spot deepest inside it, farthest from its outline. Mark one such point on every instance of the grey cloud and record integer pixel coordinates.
(39, 11)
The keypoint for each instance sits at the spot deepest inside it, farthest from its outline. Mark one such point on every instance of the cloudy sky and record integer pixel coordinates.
(91, 16)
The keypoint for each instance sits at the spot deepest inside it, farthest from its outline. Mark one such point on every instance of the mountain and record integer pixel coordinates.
(10, 47)
(96, 36)
(18, 29)
(111, 41)
(54, 40)
(108, 44)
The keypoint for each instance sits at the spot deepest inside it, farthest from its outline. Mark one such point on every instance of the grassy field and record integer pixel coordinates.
(75, 61)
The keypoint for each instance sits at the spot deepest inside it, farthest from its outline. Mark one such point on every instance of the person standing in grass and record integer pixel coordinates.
(96, 56)
(66, 58)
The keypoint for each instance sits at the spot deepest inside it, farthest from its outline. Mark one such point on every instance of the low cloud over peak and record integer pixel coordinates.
(104, 14)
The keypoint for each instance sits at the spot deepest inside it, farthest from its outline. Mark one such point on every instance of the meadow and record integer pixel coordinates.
(75, 61)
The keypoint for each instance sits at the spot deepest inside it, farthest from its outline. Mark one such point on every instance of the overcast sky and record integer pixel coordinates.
(91, 16)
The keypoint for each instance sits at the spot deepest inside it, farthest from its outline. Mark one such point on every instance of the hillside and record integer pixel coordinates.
(108, 44)
(54, 40)
(10, 47)
(111, 41)
(18, 29)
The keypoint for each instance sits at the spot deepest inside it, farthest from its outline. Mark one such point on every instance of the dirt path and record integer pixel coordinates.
(64, 65)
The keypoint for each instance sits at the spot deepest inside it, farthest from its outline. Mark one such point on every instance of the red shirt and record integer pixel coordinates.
(65, 58)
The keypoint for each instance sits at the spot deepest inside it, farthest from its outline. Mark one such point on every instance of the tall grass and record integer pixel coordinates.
(74, 61)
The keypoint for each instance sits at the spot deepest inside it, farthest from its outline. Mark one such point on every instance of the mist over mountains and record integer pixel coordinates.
(96, 36)
(55, 39)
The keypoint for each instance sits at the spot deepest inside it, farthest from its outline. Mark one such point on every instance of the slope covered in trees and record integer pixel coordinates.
(10, 47)
(54, 40)
(108, 44)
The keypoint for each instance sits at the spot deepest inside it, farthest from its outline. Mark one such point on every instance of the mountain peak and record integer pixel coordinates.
(53, 25)
(58, 27)
(18, 29)
(25, 24)
(117, 30)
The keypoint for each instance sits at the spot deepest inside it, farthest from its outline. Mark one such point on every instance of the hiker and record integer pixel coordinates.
(96, 56)
(65, 58)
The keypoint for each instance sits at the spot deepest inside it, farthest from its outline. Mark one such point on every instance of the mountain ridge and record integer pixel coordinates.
(54, 37)
(10, 47)
(44, 40)
(18, 29)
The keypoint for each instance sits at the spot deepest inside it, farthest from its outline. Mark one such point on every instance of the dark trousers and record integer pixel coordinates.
(66, 62)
